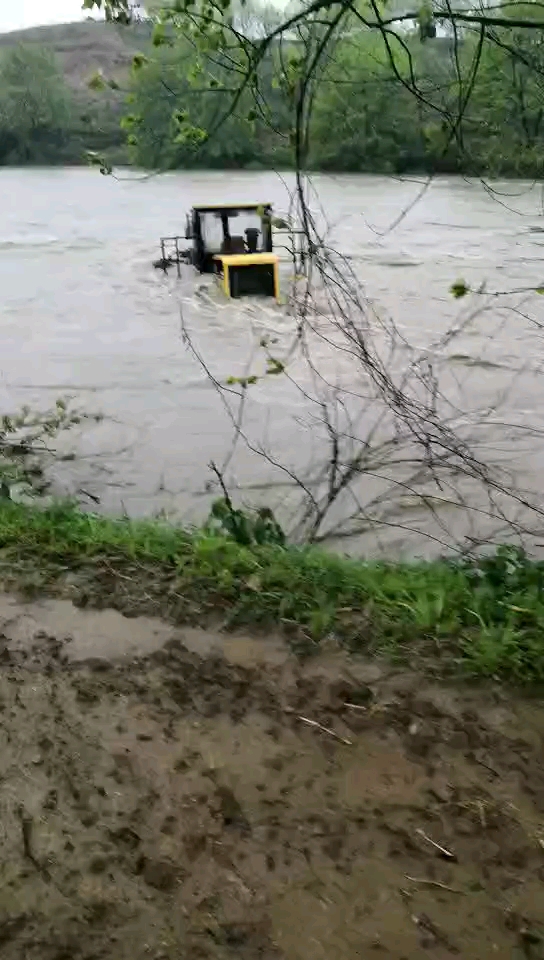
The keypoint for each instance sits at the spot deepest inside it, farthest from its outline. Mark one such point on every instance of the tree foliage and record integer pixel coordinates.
(433, 87)
(35, 106)
(343, 85)
(177, 98)
(376, 122)
(380, 125)
(44, 120)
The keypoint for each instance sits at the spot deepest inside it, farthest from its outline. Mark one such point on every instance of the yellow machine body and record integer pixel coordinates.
(249, 273)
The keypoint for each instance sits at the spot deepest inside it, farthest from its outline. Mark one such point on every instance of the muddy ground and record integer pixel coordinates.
(165, 794)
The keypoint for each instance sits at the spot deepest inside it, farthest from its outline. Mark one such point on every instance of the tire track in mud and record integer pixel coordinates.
(177, 804)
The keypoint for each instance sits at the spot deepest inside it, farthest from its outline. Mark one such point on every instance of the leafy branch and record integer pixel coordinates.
(26, 449)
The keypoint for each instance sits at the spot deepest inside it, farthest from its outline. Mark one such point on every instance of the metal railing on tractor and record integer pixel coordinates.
(292, 241)
(173, 253)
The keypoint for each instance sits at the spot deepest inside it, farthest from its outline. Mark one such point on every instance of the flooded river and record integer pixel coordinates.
(83, 314)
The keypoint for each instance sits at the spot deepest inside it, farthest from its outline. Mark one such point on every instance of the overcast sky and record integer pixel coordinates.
(18, 14)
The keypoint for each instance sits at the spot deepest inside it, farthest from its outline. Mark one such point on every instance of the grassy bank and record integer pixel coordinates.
(482, 620)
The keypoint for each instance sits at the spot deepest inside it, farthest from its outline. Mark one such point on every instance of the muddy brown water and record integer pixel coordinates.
(83, 314)
(188, 794)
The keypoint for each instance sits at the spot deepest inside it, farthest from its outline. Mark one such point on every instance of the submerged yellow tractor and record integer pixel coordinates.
(233, 241)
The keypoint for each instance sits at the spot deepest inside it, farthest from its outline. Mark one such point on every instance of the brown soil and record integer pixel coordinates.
(174, 803)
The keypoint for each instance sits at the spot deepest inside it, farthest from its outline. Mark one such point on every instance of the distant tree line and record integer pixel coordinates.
(364, 115)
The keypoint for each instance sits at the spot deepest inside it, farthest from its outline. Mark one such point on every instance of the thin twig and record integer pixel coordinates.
(486, 766)
(442, 850)
(332, 733)
(433, 883)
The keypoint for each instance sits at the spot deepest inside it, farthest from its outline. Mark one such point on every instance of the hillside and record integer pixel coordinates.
(48, 113)
(82, 48)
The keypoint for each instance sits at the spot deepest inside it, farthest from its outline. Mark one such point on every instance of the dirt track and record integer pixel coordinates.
(173, 803)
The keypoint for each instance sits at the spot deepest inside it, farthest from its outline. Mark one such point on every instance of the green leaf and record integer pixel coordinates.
(427, 26)
(195, 72)
(130, 121)
(242, 381)
(273, 366)
(214, 41)
(459, 289)
(139, 60)
(158, 37)
(97, 81)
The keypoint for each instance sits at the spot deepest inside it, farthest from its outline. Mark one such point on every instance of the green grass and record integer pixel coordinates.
(482, 619)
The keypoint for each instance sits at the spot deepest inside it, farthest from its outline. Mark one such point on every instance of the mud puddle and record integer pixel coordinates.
(170, 793)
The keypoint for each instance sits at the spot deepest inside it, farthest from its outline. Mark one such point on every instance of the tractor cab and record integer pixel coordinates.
(233, 241)
(228, 231)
